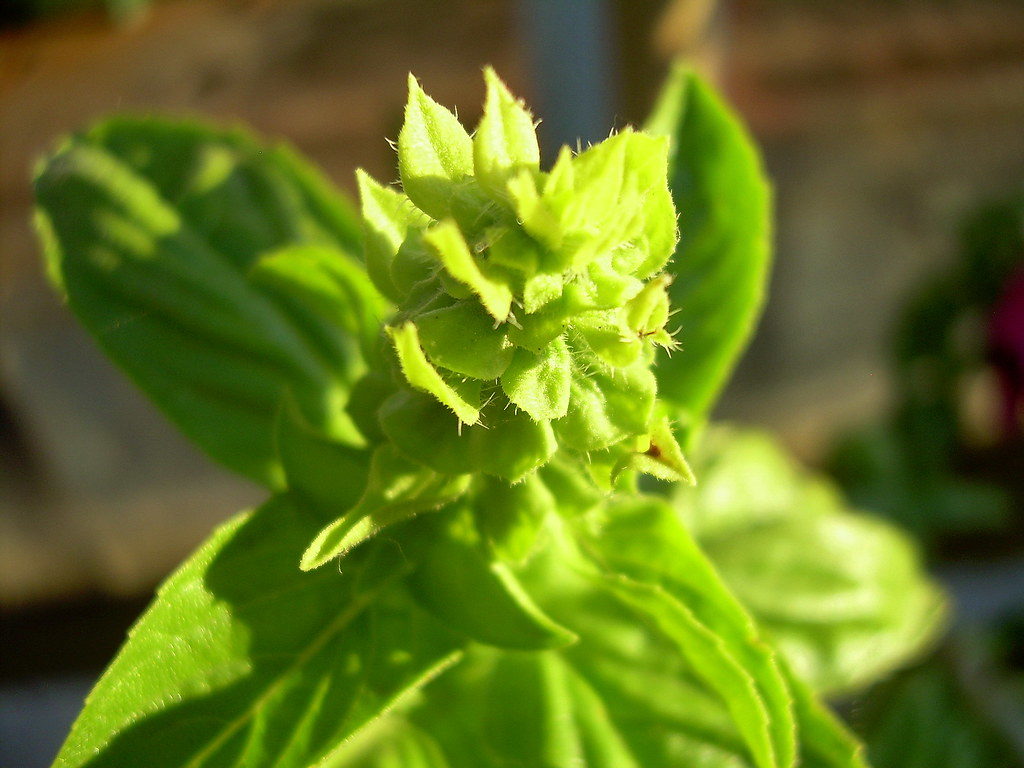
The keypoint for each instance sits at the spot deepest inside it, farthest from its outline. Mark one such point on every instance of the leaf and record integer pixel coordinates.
(504, 443)
(418, 371)
(511, 517)
(505, 142)
(435, 154)
(606, 407)
(448, 243)
(396, 490)
(388, 215)
(151, 228)
(393, 744)
(328, 284)
(824, 740)
(462, 338)
(719, 669)
(721, 263)
(540, 712)
(746, 480)
(619, 199)
(843, 595)
(625, 695)
(660, 571)
(539, 383)
(664, 458)
(242, 659)
(321, 472)
(478, 597)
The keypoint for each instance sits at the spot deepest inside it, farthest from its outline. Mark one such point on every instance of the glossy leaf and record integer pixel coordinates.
(242, 659)
(151, 227)
(721, 263)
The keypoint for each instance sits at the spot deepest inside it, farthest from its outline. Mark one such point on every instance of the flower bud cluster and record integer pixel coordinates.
(529, 302)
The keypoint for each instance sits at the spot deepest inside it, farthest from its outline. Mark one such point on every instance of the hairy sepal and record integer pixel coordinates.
(435, 154)
(396, 490)
(505, 141)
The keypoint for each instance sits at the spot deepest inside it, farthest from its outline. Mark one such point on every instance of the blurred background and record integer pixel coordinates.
(891, 352)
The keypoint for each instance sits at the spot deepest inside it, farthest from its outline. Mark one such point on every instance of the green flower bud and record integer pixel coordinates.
(528, 302)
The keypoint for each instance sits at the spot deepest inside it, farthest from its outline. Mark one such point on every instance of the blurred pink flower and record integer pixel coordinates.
(1006, 350)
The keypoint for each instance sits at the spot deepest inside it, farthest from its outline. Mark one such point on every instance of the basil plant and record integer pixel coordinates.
(469, 400)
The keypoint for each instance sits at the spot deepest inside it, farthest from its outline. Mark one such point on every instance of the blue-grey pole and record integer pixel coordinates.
(571, 49)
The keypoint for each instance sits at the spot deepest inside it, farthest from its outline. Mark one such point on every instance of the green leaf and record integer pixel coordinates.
(388, 215)
(396, 490)
(463, 401)
(323, 473)
(329, 284)
(451, 249)
(540, 712)
(505, 443)
(843, 595)
(539, 383)
(824, 740)
(661, 572)
(746, 480)
(505, 141)
(462, 338)
(625, 694)
(393, 743)
(664, 458)
(720, 670)
(435, 154)
(511, 516)
(151, 229)
(476, 596)
(721, 264)
(606, 406)
(242, 659)
(619, 200)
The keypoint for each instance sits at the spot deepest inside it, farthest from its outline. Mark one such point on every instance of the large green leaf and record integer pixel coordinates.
(151, 228)
(244, 660)
(658, 571)
(721, 263)
(668, 670)
(843, 595)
